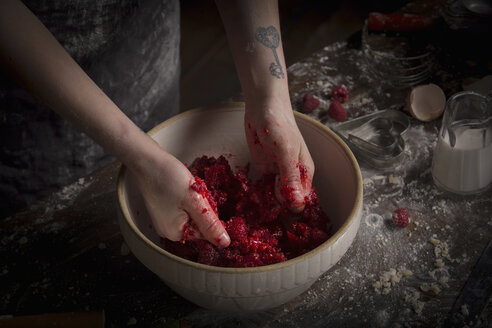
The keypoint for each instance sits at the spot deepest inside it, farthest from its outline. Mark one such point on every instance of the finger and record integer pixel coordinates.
(306, 170)
(207, 221)
(288, 187)
(172, 226)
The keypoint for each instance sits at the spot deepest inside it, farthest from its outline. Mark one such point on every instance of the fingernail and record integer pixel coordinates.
(299, 199)
(223, 240)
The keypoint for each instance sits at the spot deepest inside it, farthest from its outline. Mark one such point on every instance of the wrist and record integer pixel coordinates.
(140, 153)
(274, 102)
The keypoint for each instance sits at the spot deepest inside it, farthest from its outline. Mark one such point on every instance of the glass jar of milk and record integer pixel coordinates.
(462, 160)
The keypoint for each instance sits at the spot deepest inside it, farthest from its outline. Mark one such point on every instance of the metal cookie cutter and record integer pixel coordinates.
(376, 138)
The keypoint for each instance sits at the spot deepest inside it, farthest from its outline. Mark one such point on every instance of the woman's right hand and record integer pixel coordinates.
(166, 186)
(46, 70)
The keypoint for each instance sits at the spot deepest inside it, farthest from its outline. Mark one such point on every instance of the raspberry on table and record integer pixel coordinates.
(401, 218)
(340, 93)
(337, 112)
(309, 103)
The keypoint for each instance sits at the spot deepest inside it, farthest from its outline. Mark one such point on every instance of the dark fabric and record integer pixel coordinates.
(130, 48)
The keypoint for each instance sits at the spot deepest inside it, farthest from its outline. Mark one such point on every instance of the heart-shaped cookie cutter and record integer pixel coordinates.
(376, 138)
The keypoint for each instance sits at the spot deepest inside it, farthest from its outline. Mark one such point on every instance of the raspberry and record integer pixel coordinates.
(339, 93)
(276, 233)
(401, 217)
(185, 250)
(237, 228)
(252, 260)
(314, 216)
(318, 237)
(309, 103)
(207, 253)
(189, 231)
(287, 193)
(252, 216)
(303, 172)
(299, 236)
(337, 112)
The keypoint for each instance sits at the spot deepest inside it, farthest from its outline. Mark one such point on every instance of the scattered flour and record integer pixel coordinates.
(67, 192)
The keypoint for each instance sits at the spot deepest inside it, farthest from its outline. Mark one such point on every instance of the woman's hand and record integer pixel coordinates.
(277, 146)
(48, 72)
(172, 201)
(274, 140)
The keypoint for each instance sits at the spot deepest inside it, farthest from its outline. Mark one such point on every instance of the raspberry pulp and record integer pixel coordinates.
(253, 218)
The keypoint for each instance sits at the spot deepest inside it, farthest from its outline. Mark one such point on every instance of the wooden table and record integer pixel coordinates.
(66, 254)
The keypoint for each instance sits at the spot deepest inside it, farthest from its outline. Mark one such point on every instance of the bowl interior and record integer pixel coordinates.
(219, 131)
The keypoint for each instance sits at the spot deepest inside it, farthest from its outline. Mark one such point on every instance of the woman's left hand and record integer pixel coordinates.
(277, 146)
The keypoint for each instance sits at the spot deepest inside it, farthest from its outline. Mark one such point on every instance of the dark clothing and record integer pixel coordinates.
(130, 48)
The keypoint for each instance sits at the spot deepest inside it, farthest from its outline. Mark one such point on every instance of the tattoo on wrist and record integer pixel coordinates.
(269, 37)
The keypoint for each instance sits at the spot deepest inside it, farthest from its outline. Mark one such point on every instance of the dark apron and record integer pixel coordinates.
(130, 48)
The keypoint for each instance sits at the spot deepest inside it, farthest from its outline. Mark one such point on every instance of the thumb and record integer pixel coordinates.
(207, 221)
(288, 188)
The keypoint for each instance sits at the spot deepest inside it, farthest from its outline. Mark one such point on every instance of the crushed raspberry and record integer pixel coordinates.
(312, 198)
(287, 193)
(302, 237)
(189, 230)
(337, 112)
(318, 237)
(261, 234)
(309, 103)
(339, 93)
(253, 218)
(200, 187)
(207, 253)
(237, 228)
(400, 217)
(185, 250)
(302, 171)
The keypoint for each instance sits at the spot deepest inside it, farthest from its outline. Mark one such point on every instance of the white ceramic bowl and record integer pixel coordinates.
(219, 130)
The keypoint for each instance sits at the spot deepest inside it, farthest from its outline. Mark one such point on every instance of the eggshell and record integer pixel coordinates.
(426, 102)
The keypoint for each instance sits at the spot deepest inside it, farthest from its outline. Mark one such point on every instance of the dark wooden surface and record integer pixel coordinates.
(66, 254)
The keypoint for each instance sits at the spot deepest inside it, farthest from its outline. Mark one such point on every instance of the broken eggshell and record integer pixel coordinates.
(426, 102)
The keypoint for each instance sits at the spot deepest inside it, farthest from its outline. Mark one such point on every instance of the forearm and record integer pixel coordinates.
(46, 70)
(252, 27)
